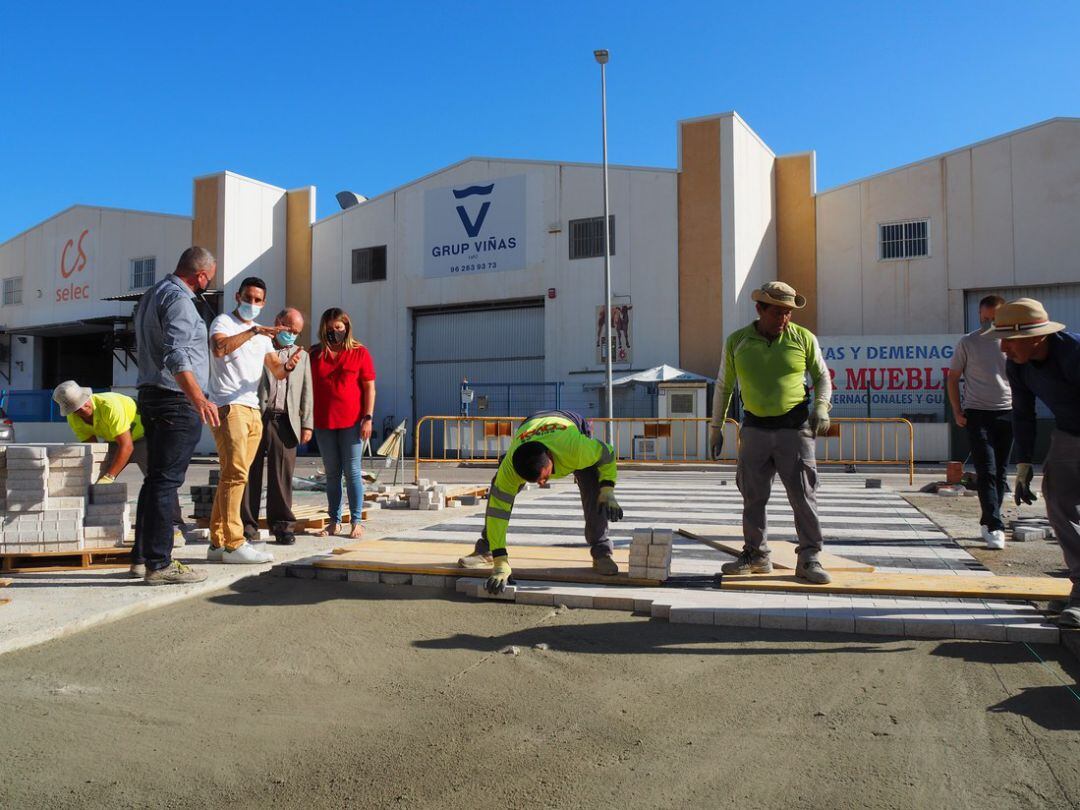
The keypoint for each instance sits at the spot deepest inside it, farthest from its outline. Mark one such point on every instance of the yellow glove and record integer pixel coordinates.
(1022, 485)
(819, 419)
(607, 505)
(106, 479)
(500, 573)
(716, 441)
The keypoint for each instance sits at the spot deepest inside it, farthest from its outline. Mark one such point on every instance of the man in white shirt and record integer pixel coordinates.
(985, 412)
(239, 351)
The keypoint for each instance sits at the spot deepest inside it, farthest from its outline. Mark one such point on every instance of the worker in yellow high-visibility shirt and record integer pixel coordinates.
(550, 444)
(112, 418)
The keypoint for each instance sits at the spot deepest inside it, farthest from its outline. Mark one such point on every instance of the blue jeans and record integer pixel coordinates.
(991, 436)
(172, 430)
(342, 451)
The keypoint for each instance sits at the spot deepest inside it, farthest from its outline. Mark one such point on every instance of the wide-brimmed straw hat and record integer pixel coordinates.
(778, 294)
(1024, 317)
(70, 396)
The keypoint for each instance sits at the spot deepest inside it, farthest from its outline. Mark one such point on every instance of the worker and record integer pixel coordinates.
(1044, 363)
(550, 444)
(113, 418)
(770, 360)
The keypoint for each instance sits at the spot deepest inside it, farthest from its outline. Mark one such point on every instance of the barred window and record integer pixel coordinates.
(369, 264)
(904, 240)
(142, 272)
(12, 291)
(587, 237)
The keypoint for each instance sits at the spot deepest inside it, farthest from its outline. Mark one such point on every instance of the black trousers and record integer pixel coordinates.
(991, 436)
(277, 453)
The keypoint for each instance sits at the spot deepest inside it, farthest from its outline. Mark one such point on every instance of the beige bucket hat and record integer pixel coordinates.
(1024, 317)
(70, 396)
(779, 294)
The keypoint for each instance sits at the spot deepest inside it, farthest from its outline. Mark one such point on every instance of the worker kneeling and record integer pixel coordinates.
(550, 444)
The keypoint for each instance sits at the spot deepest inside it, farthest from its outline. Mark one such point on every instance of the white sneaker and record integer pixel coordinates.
(215, 554)
(993, 539)
(247, 555)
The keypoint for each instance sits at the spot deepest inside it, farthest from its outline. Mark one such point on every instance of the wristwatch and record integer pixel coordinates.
(254, 330)
(365, 418)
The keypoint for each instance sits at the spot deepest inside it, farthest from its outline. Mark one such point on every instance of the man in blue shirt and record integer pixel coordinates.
(174, 361)
(1044, 363)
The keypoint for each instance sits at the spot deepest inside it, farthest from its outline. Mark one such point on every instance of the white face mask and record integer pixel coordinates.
(249, 312)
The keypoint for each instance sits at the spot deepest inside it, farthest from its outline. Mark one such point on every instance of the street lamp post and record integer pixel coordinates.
(602, 58)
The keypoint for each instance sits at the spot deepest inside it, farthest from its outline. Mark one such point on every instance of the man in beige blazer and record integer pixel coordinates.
(286, 407)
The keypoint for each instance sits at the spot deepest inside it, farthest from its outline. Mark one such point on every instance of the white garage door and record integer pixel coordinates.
(489, 345)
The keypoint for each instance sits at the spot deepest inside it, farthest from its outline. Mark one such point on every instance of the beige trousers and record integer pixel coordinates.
(237, 439)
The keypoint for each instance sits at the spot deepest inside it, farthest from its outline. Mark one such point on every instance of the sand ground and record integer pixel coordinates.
(318, 694)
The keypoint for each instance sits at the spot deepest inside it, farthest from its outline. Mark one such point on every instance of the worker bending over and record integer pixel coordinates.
(550, 444)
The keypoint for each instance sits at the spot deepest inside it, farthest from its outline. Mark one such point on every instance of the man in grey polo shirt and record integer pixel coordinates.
(985, 412)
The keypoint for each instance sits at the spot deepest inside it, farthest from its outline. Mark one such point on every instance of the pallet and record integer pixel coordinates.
(465, 492)
(783, 552)
(308, 518)
(87, 558)
(1034, 589)
(543, 563)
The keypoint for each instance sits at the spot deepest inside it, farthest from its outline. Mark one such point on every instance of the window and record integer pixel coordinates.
(369, 264)
(142, 272)
(12, 291)
(587, 237)
(904, 240)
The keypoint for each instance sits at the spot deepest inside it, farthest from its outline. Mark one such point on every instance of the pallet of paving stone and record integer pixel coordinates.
(25, 562)
(1031, 589)
(783, 552)
(544, 563)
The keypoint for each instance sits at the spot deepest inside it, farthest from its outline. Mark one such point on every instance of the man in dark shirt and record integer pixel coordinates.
(1044, 363)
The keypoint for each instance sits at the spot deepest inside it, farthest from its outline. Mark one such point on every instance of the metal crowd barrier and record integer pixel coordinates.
(674, 440)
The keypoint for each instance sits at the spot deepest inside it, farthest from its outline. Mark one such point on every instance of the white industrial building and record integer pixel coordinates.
(491, 270)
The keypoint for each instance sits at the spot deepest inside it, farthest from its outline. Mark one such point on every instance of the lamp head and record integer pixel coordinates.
(601, 56)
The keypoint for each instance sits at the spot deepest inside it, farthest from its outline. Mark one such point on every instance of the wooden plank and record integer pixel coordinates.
(4, 583)
(576, 554)
(783, 552)
(932, 585)
(4, 601)
(307, 517)
(395, 556)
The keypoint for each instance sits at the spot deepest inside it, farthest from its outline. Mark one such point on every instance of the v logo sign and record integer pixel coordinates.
(470, 228)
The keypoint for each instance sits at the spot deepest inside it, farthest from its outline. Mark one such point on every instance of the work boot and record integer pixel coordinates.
(175, 573)
(749, 562)
(605, 566)
(1070, 616)
(286, 538)
(476, 560)
(808, 568)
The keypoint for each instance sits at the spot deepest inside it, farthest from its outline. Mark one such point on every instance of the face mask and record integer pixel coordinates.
(248, 312)
(200, 288)
(335, 337)
(286, 338)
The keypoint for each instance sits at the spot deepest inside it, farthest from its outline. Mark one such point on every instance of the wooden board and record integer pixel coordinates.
(4, 601)
(4, 583)
(308, 518)
(934, 585)
(783, 552)
(440, 559)
(29, 561)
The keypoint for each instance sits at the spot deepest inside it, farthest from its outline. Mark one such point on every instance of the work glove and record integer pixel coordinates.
(1022, 488)
(500, 574)
(106, 479)
(607, 505)
(819, 419)
(716, 441)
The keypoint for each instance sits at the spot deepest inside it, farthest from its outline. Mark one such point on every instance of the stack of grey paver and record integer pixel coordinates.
(45, 499)
(426, 494)
(202, 497)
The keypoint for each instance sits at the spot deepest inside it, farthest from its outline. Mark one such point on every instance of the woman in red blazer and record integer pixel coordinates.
(343, 382)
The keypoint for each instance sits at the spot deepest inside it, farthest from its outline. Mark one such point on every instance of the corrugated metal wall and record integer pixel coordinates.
(503, 345)
(1062, 302)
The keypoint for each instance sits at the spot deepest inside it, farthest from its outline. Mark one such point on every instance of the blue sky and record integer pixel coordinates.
(122, 104)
